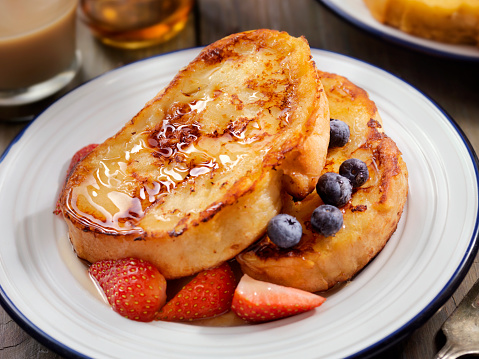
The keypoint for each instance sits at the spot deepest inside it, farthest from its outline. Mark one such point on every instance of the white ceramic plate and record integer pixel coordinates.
(45, 290)
(356, 12)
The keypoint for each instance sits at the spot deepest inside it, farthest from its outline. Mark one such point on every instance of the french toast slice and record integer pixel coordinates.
(317, 262)
(449, 21)
(195, 176)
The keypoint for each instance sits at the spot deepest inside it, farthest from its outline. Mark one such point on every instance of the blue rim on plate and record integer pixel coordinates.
(397, 37)
(420, 318)
(453, 283)
(35, 332)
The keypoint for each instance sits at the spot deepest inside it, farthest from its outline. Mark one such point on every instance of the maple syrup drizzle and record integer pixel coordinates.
(178, 149)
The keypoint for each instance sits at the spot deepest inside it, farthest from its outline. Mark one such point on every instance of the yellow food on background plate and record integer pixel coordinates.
(448, 21)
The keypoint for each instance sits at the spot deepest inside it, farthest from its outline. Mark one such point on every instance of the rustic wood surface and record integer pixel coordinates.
(452, 84)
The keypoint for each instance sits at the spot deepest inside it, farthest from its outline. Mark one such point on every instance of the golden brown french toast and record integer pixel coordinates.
(317, 262)
(195, 176)
(450, 21)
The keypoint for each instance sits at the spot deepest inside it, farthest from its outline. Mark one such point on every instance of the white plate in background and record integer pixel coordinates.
(43, 287)
(357, 13)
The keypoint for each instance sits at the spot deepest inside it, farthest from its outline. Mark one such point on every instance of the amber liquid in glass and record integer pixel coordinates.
(135, 23)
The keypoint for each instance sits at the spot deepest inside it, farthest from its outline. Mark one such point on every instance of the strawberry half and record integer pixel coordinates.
(207, 295)
(77, 157)
(255, 301)
(134, 288)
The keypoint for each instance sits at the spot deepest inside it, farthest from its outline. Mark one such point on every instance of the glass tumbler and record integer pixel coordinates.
(133, 24)
(38, 55)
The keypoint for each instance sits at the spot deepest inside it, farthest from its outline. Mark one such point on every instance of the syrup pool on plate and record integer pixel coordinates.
(79, 270)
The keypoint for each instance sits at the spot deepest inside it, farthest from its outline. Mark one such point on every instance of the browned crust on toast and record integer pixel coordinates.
(317, 263)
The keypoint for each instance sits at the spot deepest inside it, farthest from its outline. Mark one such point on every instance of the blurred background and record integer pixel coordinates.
(453, 84)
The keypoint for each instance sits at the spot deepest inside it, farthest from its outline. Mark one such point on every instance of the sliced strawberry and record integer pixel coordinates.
(77, 157)
(134, 288)
(207, 295)
(255, 301)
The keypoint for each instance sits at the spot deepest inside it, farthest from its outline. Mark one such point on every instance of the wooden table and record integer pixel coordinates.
(452, 84)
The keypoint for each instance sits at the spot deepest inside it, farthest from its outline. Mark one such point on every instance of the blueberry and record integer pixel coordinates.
(356, 171)
(284, 230)
(327, 220)
(339, 133)
(334, 189)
